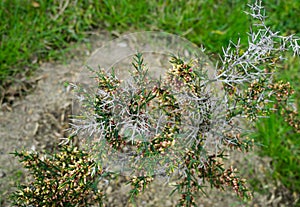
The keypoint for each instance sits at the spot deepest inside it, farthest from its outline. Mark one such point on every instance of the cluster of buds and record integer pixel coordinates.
(181, 75)
(167, 101)
(107, 83)
(253, 100)
(213, 170)
(62, 179)
(229, 178)
(255, 90)
(282, 90)
(196, 170)
(191, 160)
(292, 118)
(162, 145)
(139, 183)
(115, 139)
(163, 141)
(159, 143)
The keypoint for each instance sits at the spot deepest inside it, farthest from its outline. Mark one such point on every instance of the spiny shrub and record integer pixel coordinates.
(66, 178)
(181, 125)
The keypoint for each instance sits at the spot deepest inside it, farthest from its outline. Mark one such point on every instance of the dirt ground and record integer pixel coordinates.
(38, 120)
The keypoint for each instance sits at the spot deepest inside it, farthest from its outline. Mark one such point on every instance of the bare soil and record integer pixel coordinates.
(38, 120)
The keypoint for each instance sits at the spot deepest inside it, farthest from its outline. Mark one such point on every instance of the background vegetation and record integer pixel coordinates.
(32, 32)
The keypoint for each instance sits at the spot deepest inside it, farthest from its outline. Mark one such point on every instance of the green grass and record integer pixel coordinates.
(32, 32)
(37, 31)
(202, 22)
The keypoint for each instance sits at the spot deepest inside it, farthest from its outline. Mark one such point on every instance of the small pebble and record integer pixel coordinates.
(109, 190)
(2, 174)
(168, 203)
